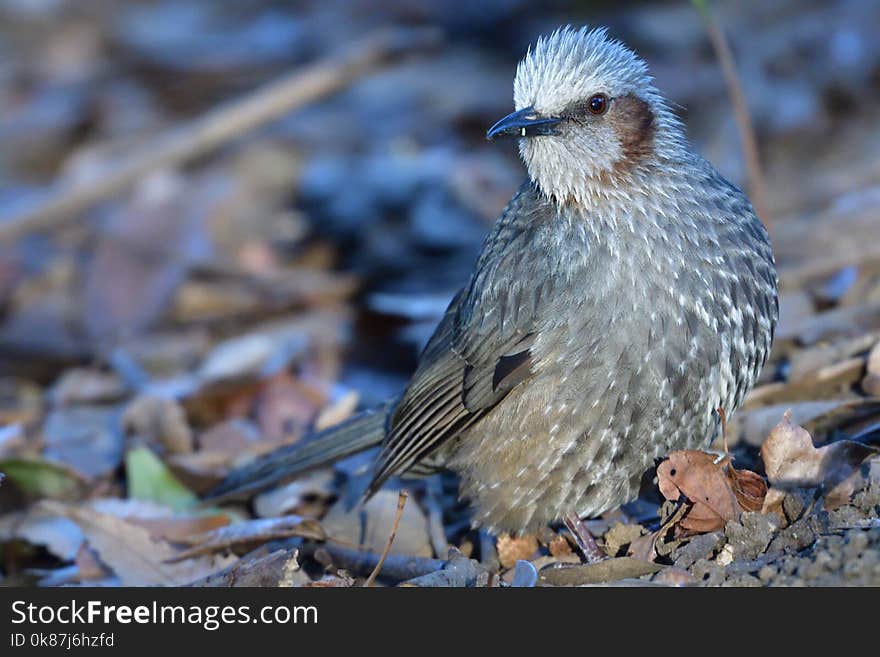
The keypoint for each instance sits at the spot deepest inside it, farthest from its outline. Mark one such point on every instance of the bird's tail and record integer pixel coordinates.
(361, 432)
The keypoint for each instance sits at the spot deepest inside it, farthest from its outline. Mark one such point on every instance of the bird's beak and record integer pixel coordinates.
(524, 123)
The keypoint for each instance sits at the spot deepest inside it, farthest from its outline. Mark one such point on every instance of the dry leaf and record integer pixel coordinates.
(792, 461)
(178, 529)
(370, 525)
(513, 548)
(128, 550)
(750, 488)
(251, 531)
(560, 547)
(88, 566)
(718, 492)
(60, 536)
(338, 411)
(159, 421)
(696, 475)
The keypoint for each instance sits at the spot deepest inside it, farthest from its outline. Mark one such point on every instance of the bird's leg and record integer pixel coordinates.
(721, 455)
(582, 536)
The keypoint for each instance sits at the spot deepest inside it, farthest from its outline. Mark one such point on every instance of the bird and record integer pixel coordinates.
(625, 300)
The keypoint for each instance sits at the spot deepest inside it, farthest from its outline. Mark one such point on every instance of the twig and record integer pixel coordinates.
(457, 571)
(741, 114)
(401, 502)
(219, 126)
(397, 567)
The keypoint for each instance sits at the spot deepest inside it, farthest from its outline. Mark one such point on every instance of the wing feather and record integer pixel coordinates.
(481, 349)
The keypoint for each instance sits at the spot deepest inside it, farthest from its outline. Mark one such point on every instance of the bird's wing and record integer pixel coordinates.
(480, 350)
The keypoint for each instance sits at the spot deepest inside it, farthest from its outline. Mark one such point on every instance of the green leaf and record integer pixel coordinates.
(150, 480)
(41, 478)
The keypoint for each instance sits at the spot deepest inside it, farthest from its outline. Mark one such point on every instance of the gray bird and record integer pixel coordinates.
(626, 293)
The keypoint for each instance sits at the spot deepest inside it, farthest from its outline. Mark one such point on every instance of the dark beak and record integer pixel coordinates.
(524, 123)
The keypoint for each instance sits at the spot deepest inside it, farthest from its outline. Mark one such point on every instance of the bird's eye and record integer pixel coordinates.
(598, 104)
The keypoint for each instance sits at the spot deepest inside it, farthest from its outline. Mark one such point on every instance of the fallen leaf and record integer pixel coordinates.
(749, 487)
(307, 491)
(514, 548)
(177, 529)
(130, 552)
(251, 531)
(86, 438)
(370, 525)
(338, 411)
(792, 461)
(230, 435)
(695, 475)
(158, 421)
(87, 386)
(60, 536)
(149, 479)
(717, 491)
(286, 408)
(560, 547)
(39, 478)
(88, 566)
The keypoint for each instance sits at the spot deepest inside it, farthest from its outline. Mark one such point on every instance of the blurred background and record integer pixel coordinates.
(233, 296)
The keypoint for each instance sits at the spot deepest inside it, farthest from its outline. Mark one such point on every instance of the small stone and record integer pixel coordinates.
(750, 536)
(767, 573)
(726, 556)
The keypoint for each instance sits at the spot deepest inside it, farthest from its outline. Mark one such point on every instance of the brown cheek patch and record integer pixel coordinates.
(633, 121)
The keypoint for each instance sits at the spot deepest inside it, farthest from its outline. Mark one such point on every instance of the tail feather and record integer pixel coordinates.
(361, 432)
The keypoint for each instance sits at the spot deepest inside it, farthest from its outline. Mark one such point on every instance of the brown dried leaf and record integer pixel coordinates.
(513, 548)
(792, 461)
(179, 529)
(128, 550)
(560, 547)
(338, 411)
(287, 407)
(370, 525)
(159, 421)
(750, 488)
(644, 548)
(88, 566)
(249, 532)
(696, 475)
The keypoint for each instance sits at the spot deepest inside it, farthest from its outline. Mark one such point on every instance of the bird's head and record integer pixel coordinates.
(587, 114)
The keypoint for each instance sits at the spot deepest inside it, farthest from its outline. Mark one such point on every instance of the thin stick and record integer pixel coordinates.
(401, 502)
(191, 140)
(741, 114)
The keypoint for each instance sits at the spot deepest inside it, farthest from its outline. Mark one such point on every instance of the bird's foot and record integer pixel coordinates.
(584, 539)
(719, 455)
